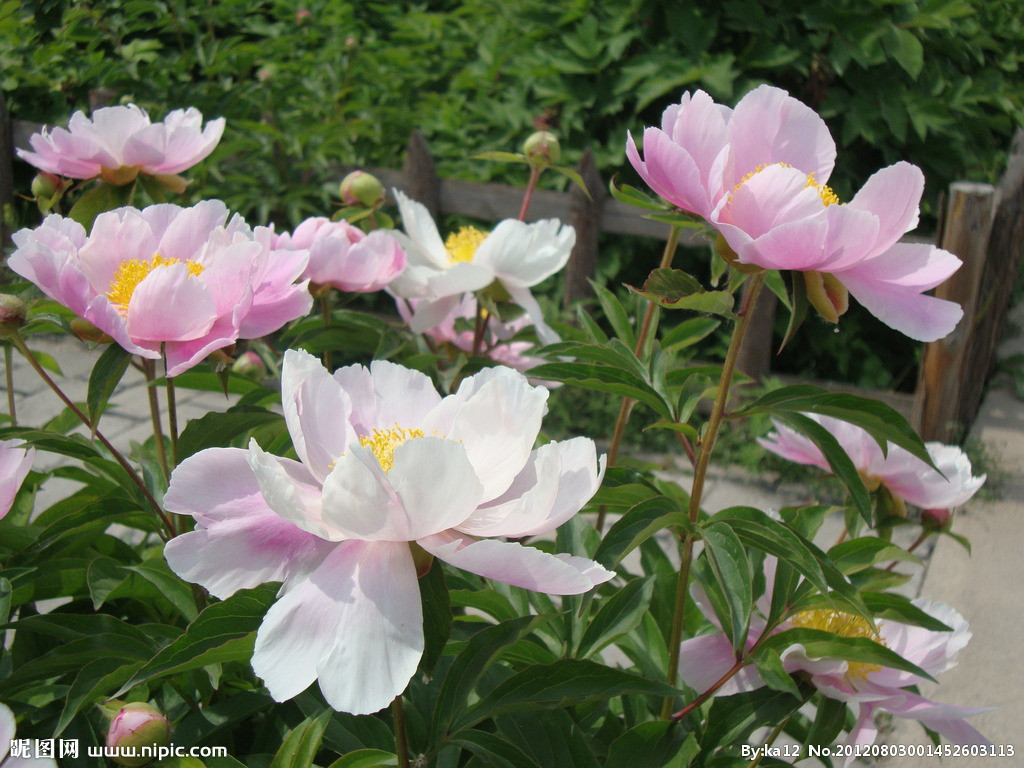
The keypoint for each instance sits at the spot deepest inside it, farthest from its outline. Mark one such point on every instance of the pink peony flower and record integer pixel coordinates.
(703, 149)
(904, 475)
(515, 254)
(184, 281)
(497, 344)
(390, 473)
(15, 463)
(18, 753)
(780, 217)
(872, 688)
(343, 256)
(119, 143)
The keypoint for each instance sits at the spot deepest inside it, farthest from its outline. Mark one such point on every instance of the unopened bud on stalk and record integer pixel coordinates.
(937, 519)
(250, 365)
(542, 149)
(88, 332)
(303, 16)
(361, 188)
(46, 185)
(137, 725)
(12, 313)
(827, 295)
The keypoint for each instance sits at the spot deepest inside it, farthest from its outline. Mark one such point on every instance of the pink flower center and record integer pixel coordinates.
(134, 271)
(844, 625)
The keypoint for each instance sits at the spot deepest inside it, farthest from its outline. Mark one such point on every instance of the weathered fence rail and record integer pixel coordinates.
(983, 225)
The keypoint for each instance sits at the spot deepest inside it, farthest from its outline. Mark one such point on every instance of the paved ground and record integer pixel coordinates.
(986, 587)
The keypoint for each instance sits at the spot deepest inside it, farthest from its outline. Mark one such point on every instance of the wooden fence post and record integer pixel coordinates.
(1005, 251)
(944, 371)
(585, 218)
(421, 181)
(6, 175)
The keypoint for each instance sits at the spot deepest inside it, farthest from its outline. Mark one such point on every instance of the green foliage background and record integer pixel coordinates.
(935, 82)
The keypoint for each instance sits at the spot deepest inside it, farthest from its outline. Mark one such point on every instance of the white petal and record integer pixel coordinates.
(359, 503)
(295, 501)
(316, 410)
(436, 484)
(517, 565)
(356, 623)
(422, 231)
(496, 414)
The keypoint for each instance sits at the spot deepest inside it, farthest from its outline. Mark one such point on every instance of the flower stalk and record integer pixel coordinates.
(169, 531)
(149, 368)
(700, 474)
(401, 739)
(9, 375)
(626, 407)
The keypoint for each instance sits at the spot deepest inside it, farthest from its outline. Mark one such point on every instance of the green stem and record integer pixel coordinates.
(172, 419)
(479, 329)
(9, 373)
(149, 367)
(767, 743)
(701, 469)
(132, 474)
(626, 407)
(528, 195)
(401, 740)
(325, 311)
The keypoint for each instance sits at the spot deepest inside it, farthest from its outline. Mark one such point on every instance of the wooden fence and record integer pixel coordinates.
(982, 224)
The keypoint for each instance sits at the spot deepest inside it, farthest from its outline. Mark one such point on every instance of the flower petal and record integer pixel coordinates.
(296, 501)
(517, 565)
(355, 623)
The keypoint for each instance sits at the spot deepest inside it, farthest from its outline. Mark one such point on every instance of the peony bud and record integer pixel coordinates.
(250, 365)
(827, 295)
(12, 313)
(138, 725)
(361, 188)
(937, 519)
(303, 16)
(542, 149)
(46, 185)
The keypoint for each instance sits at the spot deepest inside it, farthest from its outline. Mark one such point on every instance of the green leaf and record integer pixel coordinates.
(839, 461)
(480, 652)
(574, 177)
(102, 197)
(366, 758)
(688, 333)
(549, 738)
(769, 665)
(819, 644)
(218, 430)
(226, 631)
(618, 615)
(169, 584)
(728, 562)
(105, 376)
(300, 745)
(437, 615)
(732, 719)
(886, 605)
(857, 554)
(553, 685)
(799, 306)
(493, 749)
(632, 196)
(616, 314)
(829, 720)
(638, 524)
(674, 289)
(603, 378)
(92, 684)
(654, 744)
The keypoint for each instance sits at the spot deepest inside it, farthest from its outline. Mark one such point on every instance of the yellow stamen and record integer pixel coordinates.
(844, 625)
(461, 245)
(828, 197)
(134, 271)
(383, 442)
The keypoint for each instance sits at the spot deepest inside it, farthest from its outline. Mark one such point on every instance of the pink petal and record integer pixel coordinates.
(671, 171)
(170, 305)
(770, 126)
(893, 194)
(355, 623)
(517, 565)
(705, 660)
(15, 463)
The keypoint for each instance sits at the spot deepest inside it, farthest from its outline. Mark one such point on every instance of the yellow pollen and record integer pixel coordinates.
(134, 271)
(383, 443)
(844, 625)
(828, 197)
(461, 245)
